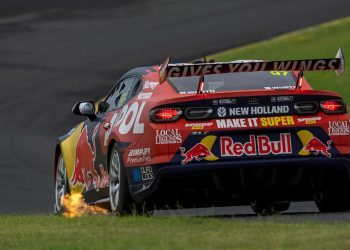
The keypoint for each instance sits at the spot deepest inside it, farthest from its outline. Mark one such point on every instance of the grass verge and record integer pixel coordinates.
(106, 232)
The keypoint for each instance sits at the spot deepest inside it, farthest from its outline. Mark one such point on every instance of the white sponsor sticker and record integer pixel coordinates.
(280, 87)
(150, 85)
(338, 128)
(255, 110)
(281, 98)
(128, 119)
(146, 173)
(143, 96)
(139, 155)
(222, 112)
(227, 101)
(168, 136)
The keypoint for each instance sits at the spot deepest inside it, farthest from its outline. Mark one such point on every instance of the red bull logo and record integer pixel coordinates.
(315, 146)
(198, 152)
(257, 145)
(84, 172)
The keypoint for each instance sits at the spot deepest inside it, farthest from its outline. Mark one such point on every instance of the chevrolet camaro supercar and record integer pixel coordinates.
(204, 134)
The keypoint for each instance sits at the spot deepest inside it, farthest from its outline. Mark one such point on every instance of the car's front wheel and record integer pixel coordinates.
(61, 185)
(119, 197)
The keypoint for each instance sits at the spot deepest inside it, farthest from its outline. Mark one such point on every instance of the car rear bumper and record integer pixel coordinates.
(144, 190)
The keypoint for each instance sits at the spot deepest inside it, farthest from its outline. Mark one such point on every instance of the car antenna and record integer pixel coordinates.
(299, 82)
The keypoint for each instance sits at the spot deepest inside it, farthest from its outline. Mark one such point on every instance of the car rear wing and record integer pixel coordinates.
(187, 69)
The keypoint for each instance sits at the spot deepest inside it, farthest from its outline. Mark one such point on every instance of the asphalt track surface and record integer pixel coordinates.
(51, 58)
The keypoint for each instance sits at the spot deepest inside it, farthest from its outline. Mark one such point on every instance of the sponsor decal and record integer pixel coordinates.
(215, 68)
(311, 144)
(142, 174)
(273, 121)
(276, 121)
(309, 120)
(222, 112)
(150, 85)
(168, 136)
(139, 155)
(128, 119)
(143, 96)
(195, 92)
(227, 101)
(280, 87)
(315, 146)
(257, 145)
(199, 133)
(84, 172)
(197, 126)
(282, 98)
(338, 128)
(237, 123)
(197, 152)
(200, 151)
(256, 110)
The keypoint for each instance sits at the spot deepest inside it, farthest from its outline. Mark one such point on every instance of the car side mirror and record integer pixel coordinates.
(103, 106)
(86, 108)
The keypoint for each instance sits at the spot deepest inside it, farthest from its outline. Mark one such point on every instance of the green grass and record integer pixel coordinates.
(106, 232)
(315, 42)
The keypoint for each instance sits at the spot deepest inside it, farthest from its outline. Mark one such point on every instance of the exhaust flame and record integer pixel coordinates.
(75, 206)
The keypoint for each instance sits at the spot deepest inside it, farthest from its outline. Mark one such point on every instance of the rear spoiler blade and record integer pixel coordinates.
(188, 69)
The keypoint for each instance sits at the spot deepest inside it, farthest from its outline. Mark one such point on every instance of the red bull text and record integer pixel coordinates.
(257, 145)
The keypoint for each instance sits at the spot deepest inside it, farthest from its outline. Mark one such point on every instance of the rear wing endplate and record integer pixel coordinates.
(188, 69)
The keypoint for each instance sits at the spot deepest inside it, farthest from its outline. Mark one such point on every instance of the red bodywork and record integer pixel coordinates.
(144, 143)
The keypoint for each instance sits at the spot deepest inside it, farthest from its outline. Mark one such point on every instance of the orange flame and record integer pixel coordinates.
(75, 206)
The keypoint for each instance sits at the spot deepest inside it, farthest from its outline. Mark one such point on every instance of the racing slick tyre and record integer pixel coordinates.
(328, 201)
(331, 200)
(61, 185)
(261, 207)
(119, 197)
(331, 196)
(281, 206)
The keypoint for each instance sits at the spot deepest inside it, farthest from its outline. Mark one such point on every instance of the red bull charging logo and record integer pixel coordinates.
(315, 146)
(198, 152)
(84, 172)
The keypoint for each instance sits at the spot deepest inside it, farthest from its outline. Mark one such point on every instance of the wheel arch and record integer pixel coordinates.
(109, 150)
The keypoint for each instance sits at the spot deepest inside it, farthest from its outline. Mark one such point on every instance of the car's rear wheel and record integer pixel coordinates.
(61, 185)
(332, 193)
(119, 197)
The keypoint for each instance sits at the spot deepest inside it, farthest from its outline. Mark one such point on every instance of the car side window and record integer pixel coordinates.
(122, 93)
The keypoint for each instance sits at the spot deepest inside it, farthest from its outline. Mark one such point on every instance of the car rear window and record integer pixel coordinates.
(235, 81)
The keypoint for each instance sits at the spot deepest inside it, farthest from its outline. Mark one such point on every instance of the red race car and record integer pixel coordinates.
(203, 134)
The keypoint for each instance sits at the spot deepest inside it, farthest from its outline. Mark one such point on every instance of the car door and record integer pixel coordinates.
(123, 91)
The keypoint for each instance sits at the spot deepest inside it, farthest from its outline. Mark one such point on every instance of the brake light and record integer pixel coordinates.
(333, 106)
(165, 114)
